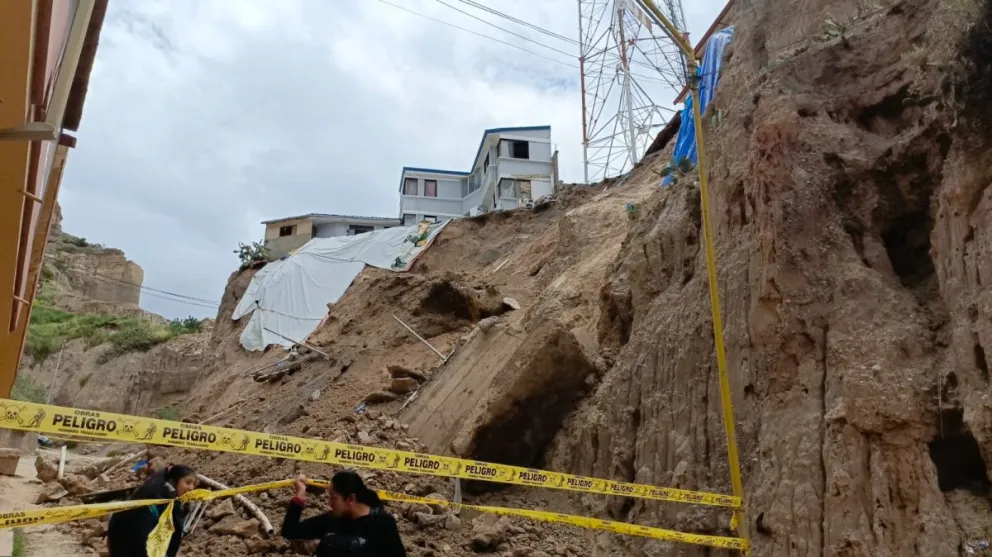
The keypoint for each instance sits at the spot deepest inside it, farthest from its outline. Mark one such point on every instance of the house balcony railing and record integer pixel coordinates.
(414, 204)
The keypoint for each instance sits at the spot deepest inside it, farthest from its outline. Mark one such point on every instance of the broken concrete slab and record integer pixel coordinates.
(8, 461)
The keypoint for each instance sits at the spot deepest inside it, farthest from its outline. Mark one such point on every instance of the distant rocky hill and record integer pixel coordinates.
(87, 330)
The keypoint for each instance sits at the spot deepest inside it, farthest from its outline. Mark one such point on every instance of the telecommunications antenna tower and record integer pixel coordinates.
(628, 64)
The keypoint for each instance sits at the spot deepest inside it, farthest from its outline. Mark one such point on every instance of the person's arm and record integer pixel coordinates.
(392, 544)
(313, 528)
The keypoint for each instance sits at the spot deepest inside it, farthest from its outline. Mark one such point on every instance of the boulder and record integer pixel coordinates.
(485, 538)
(404, 385)
(93, 530)
(46, 471)
(426, 519)
(452, 522)
(511, 303)
(437, 508)
(380, 397)
(8, 461)
(51, 493)
(488, 323)
(235, 526)
(400, 372)
(76, 484)
(221, 510)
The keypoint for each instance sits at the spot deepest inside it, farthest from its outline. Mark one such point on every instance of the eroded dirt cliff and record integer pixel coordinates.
(853, 219)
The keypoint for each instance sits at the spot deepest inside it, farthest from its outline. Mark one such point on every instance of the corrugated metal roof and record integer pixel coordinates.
(330, 216)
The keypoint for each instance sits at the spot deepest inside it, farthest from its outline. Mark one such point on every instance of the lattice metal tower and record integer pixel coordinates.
(630, 71)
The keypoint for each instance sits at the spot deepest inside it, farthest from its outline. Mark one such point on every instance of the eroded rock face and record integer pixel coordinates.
(853, 230)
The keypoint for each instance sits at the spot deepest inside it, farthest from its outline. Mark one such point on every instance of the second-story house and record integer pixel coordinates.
(511, 167)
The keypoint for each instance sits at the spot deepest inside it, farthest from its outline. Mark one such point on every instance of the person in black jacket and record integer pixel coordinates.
(128, 531)
(357, 525)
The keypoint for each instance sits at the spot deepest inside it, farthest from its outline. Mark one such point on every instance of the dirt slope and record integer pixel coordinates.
(851, 219)
(853, 226)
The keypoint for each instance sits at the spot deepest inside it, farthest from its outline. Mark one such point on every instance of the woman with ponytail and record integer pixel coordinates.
(128, 531)
(356, 526)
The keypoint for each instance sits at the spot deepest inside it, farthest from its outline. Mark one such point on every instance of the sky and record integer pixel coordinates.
(206, 117)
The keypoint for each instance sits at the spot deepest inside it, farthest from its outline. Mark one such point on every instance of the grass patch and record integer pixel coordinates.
(28, 389)
(171, 413)
(20, 543)
(50, 327)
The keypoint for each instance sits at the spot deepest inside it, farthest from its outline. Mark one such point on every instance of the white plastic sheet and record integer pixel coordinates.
(288, 298)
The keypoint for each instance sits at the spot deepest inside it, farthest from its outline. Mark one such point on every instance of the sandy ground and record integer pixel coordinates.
(42, 541)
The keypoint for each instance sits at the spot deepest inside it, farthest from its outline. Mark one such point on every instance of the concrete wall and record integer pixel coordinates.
(540, 188)
(279, 247)
(522, 169)
(432, 206)
(449, 188)
(304, 227)
(331, 229)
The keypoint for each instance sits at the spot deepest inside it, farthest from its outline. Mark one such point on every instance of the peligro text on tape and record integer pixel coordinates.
(17, 519)
(42, 418)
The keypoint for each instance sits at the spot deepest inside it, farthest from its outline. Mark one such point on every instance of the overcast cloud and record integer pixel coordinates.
(205, 117)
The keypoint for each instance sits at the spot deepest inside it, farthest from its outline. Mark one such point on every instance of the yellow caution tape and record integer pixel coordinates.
(27, 416)
(157, 544)
(37, 517)
(158, 540)
(584, 522)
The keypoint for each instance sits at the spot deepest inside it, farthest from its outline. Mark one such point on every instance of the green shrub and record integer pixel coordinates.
(171, 413)
(79, 242)
(252, 253)
(28, 389)
(50, 327)
(186, 326)
(135, 336)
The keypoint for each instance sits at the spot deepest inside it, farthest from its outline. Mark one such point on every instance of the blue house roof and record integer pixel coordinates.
(478, 153)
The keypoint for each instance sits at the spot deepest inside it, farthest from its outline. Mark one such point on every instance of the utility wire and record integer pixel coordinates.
(479, 34)
(520, 22)
(494, 26)
(154, 292)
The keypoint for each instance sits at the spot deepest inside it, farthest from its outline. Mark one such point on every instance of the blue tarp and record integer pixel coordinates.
(709, 75)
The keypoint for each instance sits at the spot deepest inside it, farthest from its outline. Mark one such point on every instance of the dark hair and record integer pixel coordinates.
(174, 473)
(155, 487)
(348, 483)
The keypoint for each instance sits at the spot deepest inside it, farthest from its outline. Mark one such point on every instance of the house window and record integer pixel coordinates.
(430, 218)
(485, 165)
(519, 150)
(430, 188)
(286, 230)
(354, 229)
(524, 187)
(410, 186)
(507, 188)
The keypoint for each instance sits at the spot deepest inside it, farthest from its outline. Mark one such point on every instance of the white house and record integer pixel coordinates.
(287, 234)
(512, 166)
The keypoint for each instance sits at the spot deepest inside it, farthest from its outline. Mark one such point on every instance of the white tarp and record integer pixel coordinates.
(290, 296)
